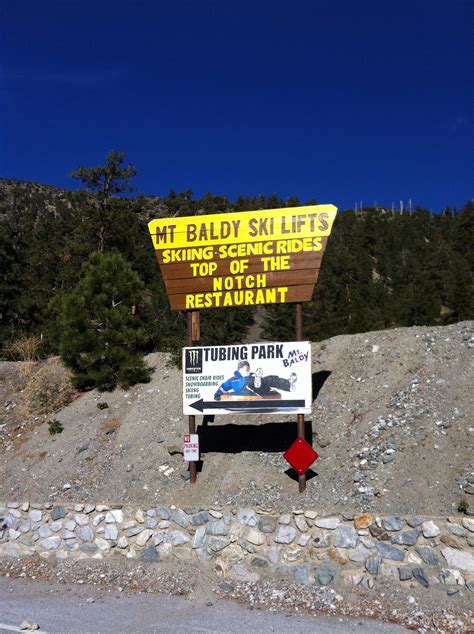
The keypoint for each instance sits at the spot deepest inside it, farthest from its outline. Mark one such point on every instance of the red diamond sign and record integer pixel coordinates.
(300, 456)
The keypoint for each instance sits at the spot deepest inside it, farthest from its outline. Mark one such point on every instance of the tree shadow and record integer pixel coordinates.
(232, 438)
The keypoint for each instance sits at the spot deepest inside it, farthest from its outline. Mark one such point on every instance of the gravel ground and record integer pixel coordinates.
(392, 422)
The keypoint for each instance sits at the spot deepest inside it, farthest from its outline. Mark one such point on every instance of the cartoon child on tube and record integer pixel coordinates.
(246, 383)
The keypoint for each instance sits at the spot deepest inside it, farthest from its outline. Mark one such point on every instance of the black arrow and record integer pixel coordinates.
(270, 404)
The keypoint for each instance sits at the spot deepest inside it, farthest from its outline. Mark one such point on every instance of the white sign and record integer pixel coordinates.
(191, 447)
(258, 378)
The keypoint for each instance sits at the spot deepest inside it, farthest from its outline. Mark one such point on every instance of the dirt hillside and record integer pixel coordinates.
(392, 421)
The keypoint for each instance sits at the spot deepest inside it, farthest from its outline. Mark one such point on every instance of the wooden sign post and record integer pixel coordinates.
(194, 334)
(300, 417)
(237, 259)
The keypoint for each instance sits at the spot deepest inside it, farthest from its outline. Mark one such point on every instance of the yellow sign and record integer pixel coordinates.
(242, 259)
(248, 226)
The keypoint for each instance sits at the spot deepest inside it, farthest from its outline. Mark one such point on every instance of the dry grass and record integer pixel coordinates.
(111, 423)
(25, 370)
(25, 349)
(46, 387)
(32, 391)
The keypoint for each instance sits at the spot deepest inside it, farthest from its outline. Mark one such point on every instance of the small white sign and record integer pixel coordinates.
(191, 447)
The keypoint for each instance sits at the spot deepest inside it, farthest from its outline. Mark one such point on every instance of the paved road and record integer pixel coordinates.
(62, 608)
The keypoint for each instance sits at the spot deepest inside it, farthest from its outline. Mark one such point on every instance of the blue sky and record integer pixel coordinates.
(334, 100)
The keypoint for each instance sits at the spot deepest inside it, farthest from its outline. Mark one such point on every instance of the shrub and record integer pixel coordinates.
(49, 388)
(45, 387)
(55, 427)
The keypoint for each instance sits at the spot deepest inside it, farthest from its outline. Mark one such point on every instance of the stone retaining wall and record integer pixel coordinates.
(246, 544)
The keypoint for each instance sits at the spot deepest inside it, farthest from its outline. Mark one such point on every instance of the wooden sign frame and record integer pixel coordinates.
(242, 258)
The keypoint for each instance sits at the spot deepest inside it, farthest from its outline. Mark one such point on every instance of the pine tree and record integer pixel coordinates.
(106, 181)
(102, 338)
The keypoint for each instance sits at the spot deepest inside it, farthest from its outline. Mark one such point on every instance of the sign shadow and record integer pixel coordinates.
(291, 473)
(318, 379)
(233, 438)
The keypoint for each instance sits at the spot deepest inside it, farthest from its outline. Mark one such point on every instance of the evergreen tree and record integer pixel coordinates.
(106, 181)
(12, 254)
(279, 322)
(102, 338)
(380, 269)
(462, 295)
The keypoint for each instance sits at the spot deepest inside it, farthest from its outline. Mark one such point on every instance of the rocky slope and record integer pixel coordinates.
(392, 422)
